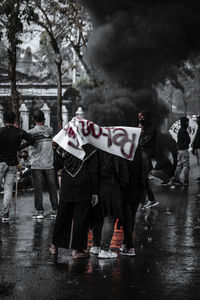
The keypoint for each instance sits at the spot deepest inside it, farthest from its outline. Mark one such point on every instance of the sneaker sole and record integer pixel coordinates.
(103, 257)
(39, 218)
(128, 254)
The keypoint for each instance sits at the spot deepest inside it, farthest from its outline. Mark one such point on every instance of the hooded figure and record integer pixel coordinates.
(78, 192)
(183, 139)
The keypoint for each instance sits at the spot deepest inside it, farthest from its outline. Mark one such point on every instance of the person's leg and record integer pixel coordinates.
(179, 167)
(63, 224)
(96, 223)
(150, 194)
(37, 184)
(49, 176)
(96, 232)
(186, 166)
(9, 179)
(127, 226)
(107, 232)
(80, 225)
(3, 169)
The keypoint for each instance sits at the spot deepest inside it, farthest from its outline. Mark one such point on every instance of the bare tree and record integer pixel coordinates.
(63, 24)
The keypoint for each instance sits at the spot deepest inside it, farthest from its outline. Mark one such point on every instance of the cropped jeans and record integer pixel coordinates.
(8, 173)
(49, 177)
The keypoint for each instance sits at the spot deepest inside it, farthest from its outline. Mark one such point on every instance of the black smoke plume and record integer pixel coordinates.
(135, 42)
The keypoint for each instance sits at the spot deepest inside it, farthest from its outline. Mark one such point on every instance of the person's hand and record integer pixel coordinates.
(94, 200)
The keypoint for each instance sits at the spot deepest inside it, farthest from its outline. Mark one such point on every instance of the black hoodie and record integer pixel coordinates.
(183, 140)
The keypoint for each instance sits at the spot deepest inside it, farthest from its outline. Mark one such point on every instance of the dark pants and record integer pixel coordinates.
(130, 210)
(96, 224)
(78, 212)
(49, 177)
(107, 232)
(148, 191)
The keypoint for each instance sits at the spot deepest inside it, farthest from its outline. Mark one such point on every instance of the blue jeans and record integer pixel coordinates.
(9, 175)
(49, 177)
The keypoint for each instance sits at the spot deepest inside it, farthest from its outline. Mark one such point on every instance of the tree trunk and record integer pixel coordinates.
(87, 69)
(12, 75)
(59, 95)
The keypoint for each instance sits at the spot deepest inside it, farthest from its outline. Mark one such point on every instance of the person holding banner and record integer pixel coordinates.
(113, 181)
(79, 190)
(147, 146)
(132, 199)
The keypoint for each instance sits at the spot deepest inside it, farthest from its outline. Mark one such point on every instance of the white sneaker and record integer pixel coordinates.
(95, 250)
(38, 214)
(107, 254)
(5, 219)
(54, 213)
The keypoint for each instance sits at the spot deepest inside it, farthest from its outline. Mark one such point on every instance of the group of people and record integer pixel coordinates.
(183, 157)
(95, 192)
(98, 191)
(39, 141)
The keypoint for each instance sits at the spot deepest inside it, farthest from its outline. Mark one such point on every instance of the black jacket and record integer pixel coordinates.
(183, 140)
(113, 169)
(79, 177)
(11, 139)
(196, 143)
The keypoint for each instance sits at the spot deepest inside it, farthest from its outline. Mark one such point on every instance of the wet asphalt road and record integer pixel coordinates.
(167, 264)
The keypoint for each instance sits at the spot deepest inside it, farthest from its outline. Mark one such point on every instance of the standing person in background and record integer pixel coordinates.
(183, 142)
(147, 147)
(41, 161)
(11, 138)
(196, 147)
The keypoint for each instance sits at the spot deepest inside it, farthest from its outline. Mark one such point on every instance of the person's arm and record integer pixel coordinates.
(27, 137)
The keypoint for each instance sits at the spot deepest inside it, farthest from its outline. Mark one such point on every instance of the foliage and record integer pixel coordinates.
(183, 89)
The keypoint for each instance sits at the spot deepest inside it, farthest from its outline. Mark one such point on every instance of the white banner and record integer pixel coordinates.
(192, 129)
(118, 140)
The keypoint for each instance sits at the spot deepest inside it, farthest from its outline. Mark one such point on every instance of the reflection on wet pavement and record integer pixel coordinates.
(167, 264)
